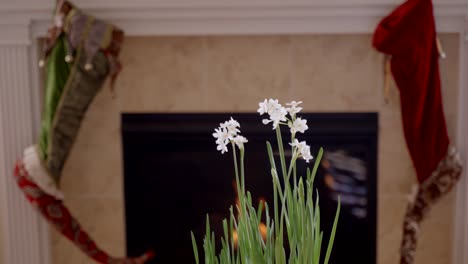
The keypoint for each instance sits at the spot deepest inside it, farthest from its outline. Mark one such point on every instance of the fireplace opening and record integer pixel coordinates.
(174, 176)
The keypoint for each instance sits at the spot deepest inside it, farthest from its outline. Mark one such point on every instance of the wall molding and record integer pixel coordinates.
(20, 21)
(460, 242)
(23, 21)
(21, 224)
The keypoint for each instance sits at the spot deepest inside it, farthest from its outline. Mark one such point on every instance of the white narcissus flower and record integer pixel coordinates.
(221, 135)
(303, 149)
(293, 108)
(263, 107)
(268, 105)
(222, 139)
(228, 132)
(275, 110)
(240, 140)
(223, 148)
(232, 127)
(306, 155)
(299, 125)
(278, 115)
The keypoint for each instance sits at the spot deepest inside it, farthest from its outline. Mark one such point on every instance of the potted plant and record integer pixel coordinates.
(292, 234)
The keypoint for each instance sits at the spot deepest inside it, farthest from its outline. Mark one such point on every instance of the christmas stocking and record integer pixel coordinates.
(408, 36)
(81, 52)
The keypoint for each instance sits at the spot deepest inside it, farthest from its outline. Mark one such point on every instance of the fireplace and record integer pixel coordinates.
(174, 176)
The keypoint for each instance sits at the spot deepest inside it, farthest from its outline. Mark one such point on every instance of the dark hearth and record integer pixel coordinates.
(174, 176)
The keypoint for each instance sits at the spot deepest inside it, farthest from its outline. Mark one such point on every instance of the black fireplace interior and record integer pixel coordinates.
(174, 176)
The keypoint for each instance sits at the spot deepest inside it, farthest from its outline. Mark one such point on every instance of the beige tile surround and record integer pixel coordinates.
(231, 74)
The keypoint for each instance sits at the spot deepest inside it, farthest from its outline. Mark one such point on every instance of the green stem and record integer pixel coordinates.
(242, 171)
(275, 209)
(292, 166)
(281, 151)
(293, 162)
(236, 169)
(240, 191)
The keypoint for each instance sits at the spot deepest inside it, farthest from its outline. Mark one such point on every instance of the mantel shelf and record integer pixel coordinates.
(21, 21)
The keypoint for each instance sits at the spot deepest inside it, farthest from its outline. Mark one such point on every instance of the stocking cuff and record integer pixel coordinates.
(39, 174)
(441, 181)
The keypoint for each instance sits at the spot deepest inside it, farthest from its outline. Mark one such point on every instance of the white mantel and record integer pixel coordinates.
(22, 21)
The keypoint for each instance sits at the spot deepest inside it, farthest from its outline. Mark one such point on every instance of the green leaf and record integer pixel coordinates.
(333, 232)
(195, 249)
(316, 164)
(270, 155)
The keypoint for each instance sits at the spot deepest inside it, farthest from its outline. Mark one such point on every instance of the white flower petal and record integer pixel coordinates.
(222, 138)
(231, 126)
(275, 110)
(299, 125)
(239, 141)
(295, 143)
(263, 107)
(294, 103)
(223, 148)
(294, 109)
(303, 149)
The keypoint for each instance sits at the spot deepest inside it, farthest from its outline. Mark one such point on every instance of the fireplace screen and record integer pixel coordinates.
(174, 176)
